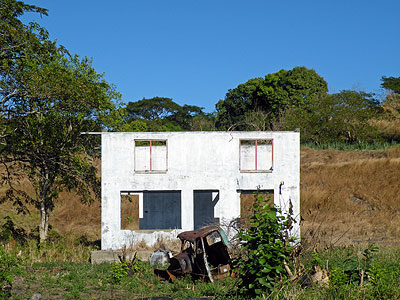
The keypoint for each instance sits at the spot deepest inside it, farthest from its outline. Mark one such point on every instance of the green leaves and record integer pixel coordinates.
(265, 249)
(49, 98)
(271, 95)
(119, 271)
(342, 117)
(391, 83)
(355, 270)
(9, 267)
(163, 114)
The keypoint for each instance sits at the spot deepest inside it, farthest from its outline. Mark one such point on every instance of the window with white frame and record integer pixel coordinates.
(255, 155)
(151, 155)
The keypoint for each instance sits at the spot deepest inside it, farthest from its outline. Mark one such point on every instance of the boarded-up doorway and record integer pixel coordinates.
(203, 206)
(129, 212)
(247, 199)
(161, 210)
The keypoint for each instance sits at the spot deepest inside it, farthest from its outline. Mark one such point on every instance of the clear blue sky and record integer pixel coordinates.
(194, 51)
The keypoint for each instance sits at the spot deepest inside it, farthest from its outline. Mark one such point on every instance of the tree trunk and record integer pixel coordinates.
(44, 206)
(44, 222)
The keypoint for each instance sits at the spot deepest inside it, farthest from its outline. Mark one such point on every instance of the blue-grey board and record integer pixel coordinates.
(203, 208)
(161, 210)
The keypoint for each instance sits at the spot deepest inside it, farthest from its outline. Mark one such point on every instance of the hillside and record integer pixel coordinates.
(351, 197)
(346, 197)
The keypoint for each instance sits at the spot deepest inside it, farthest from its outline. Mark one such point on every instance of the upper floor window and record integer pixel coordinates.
(256, 155)
(151, 155)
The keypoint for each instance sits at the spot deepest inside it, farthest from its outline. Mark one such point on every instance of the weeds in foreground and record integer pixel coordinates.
(125, 268)
(66, 280)
(265, 249)
(352, 273)
(9, 268)
(60, 248)
(344, 266)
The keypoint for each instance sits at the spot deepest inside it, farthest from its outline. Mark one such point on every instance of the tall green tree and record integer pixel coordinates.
(152, 109)
(15, 37)
(49, 99)
(43, 141)
(163, 114)
(391, 83)
(20, 43)
(272, 94)
(341, 117)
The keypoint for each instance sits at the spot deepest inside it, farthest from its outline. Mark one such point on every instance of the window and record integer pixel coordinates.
(151, 155)
(255, 155)
(130, 210)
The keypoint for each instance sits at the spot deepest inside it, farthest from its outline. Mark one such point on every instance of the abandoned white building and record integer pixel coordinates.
(161, 183)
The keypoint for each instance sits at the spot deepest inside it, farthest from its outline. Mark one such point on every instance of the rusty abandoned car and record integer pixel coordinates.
(204, 255)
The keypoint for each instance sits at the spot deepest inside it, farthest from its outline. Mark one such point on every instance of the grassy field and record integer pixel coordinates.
(81, 280)
(86, 281)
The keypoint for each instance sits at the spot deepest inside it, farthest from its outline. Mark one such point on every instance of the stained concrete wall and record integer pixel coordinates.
(195, 161)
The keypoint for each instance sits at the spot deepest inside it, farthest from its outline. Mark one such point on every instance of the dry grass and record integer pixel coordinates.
(351, 197)
(390, 125)
(174, 245)
(70, 215)
(389, 128)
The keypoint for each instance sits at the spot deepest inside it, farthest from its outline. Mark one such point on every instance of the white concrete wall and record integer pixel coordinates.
(196, 161)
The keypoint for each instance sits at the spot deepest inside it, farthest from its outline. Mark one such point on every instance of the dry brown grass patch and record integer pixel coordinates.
(354, 196)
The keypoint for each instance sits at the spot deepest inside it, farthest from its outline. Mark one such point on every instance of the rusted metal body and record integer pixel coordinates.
(204, 254)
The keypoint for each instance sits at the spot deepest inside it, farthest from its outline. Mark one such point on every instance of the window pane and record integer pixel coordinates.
(142, 155)
(256, 155)
(159, 158)
(264, 155)
(247, 155)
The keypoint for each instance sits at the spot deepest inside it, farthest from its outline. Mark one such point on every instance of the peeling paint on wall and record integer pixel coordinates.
(207, 169)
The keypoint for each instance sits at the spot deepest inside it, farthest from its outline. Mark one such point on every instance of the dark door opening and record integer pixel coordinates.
(204, 203)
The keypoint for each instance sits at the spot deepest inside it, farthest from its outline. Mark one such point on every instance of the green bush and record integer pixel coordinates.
(118, 272)
(9, 231)
(336, 118)
(265, 249)
(355, 270)
(123, 269)
(9, 267)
